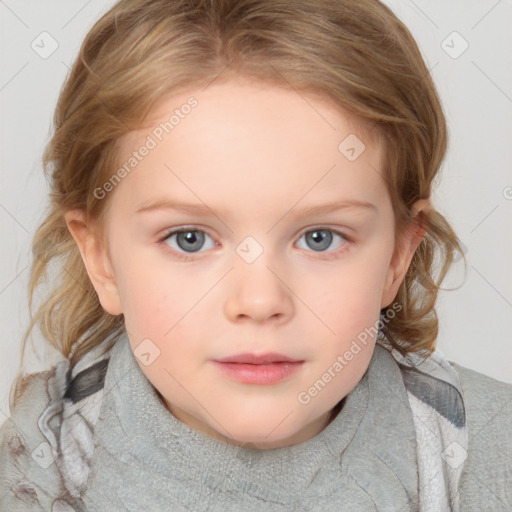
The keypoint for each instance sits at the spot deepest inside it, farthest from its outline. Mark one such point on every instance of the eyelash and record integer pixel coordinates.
(331, 254)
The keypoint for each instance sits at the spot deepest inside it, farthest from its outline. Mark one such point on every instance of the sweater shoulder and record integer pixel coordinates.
(487, 472)
(30, 399)
(488, 401)
(29, 479)
(31, 395)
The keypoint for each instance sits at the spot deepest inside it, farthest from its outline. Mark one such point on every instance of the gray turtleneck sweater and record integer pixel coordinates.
(364, 460)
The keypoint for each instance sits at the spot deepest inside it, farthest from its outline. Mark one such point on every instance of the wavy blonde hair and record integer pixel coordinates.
(356, 54)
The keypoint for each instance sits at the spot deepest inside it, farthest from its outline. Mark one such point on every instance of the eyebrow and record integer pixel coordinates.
(204, 210)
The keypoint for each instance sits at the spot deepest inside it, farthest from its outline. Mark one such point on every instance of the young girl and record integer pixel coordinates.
(214, 357)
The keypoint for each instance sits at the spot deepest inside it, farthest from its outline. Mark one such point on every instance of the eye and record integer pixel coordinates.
(188, 240)
(319, 239)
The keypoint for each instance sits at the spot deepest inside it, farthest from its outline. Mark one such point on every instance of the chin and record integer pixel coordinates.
(263, 434)
(261, 442)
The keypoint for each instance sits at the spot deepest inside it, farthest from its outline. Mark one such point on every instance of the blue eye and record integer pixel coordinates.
(319, 239)
(188, 241)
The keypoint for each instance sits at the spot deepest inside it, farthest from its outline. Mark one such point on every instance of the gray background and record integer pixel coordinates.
(474, 188)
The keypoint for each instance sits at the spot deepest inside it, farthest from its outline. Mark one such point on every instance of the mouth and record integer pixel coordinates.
(261, 369)
(250, 358)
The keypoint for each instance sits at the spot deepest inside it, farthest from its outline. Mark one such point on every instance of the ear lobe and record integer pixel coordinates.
(402, 257)
(95, 259)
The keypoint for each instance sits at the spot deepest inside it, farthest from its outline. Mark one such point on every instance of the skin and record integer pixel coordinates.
(256, 155)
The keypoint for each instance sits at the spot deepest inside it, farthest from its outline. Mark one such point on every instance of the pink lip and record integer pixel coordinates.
(263, 369)
(268, 357)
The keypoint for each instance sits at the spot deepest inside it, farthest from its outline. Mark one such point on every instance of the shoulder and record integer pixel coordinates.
(30, 399)
(487, 472)
(488, 401)
(31, 393)
(28, 478)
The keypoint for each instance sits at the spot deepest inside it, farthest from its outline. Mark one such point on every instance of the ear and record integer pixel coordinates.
(402, 256)
(96, 260)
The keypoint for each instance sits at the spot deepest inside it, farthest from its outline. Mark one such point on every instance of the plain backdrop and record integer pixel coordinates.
(466, 45)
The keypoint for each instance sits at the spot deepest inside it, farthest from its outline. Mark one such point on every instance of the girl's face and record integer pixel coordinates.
(274, 257)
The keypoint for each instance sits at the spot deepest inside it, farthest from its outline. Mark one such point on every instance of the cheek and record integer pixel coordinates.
(144, 298)
(170, 309)
(155, 292)
(348, 297)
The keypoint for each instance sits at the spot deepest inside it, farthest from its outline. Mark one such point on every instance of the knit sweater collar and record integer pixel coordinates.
(372, 436)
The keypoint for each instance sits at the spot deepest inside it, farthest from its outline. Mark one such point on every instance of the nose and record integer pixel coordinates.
(257, 291)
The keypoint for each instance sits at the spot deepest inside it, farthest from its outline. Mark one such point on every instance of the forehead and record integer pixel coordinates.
(255, 102)
(245, 143)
